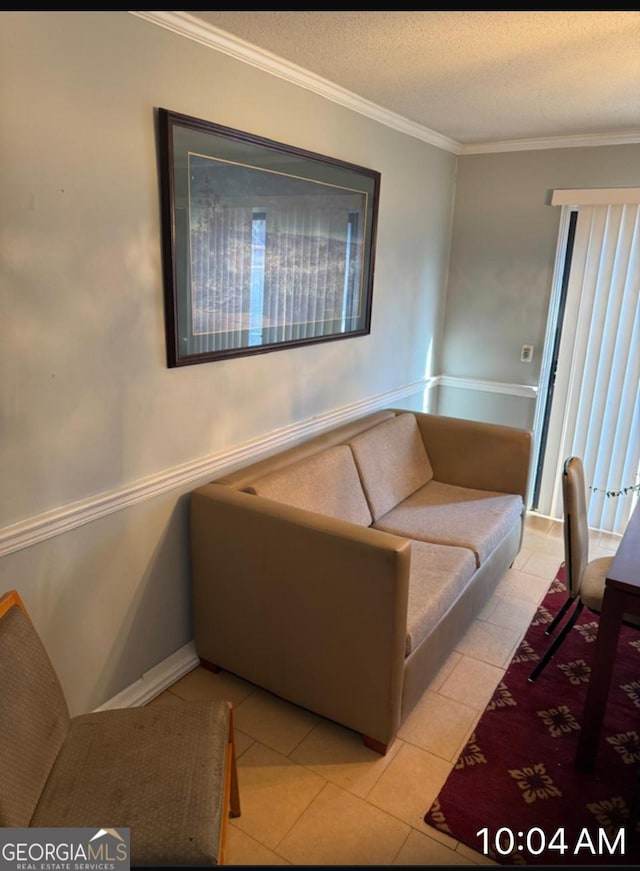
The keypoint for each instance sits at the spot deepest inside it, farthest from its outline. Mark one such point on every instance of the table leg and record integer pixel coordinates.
(604, 655)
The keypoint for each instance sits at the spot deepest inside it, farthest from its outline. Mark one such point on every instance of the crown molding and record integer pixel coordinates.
(192, 28)
(186, 25)
(587, 140)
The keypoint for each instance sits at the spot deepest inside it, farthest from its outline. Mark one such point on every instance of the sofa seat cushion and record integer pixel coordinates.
(446, 514)
(327, 483)
(439, 575)
(392, 461)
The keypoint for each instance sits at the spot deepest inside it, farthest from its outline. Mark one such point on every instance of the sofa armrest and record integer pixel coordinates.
(312, 608)
(483, 456)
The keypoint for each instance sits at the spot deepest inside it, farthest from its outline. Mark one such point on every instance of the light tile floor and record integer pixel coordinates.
(313, 794)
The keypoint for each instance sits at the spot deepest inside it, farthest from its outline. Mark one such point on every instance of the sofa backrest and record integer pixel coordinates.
(244, 476)
(327, 483)
(392, 462)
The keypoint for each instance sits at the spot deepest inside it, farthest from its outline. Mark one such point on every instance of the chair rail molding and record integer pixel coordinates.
(43, 526)
(33, 530)
(527, 391)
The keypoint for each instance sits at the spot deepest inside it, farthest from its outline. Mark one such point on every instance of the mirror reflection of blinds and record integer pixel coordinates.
(256, 291)
(260, 276)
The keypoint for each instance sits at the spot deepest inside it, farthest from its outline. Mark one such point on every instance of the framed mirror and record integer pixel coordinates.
(265, 246)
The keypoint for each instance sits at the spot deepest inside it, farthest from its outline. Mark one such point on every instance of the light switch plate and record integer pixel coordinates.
(526, 355)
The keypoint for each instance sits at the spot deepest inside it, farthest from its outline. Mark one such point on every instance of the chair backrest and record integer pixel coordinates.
(34, 717)
(576, 528)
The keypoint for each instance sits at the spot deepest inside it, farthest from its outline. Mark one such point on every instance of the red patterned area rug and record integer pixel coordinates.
(514, 794)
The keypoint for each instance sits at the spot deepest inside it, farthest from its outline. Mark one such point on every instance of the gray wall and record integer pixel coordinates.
(88, 407)
(502, 258)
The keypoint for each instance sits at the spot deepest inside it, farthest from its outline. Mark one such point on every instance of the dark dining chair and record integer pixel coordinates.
(584, 578)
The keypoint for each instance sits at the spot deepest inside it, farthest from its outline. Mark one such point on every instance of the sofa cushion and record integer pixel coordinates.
(392, 462)
(439, 575)
(327, 483)
(242, 477)
(446, 514)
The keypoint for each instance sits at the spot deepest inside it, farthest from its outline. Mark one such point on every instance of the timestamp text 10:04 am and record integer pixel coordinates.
(505, 841)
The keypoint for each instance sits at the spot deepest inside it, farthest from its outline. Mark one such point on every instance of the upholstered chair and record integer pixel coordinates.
(165, 772)
(584, 578)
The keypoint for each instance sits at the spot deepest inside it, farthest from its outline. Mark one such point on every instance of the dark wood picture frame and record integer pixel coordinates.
(265, 246)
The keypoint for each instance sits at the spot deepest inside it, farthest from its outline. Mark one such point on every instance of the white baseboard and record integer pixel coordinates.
(156, 680)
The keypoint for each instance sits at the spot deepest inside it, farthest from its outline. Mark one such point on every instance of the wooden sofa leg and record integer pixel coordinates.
(210, 666)
(378, 746)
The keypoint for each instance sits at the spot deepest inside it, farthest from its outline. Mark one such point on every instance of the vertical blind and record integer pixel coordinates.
(596, 411)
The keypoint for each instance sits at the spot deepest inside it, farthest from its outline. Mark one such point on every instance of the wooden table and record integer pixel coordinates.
(621, 596)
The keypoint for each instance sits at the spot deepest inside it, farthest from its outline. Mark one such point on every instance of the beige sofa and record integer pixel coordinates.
(340, 573)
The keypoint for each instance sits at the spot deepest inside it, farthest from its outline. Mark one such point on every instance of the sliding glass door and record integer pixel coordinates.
(595, 407)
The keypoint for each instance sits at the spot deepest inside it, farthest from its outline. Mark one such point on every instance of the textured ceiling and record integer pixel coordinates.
(474, 77)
